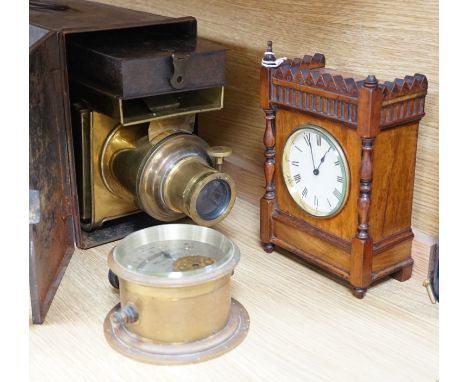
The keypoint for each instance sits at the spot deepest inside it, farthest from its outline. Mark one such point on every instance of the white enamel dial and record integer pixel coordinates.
(315, 171)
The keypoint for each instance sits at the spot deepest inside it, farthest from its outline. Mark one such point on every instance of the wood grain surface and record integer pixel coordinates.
(386, 38)
(344, 224)
(304, 325)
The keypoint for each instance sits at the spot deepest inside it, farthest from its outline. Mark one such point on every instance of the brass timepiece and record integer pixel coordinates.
(315, 171)
(340, 155)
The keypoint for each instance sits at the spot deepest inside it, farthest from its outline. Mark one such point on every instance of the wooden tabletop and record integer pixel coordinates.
(304, 325)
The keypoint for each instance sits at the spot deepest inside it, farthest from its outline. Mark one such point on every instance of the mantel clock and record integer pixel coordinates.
(339, 169)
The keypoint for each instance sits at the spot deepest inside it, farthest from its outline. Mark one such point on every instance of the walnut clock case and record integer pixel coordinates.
(339, 169)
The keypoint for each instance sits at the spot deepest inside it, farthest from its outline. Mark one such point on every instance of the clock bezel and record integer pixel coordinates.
(295, 195)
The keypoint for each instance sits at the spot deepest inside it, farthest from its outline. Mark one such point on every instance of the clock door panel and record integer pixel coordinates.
(343, 225)
(394, 163)
(393, 255)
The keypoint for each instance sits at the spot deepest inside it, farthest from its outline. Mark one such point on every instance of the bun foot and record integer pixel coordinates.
(404, 273)
(268, 247)
(359, 292)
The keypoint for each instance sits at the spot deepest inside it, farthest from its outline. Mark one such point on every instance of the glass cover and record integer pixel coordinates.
(165, 257)
(315, 171)
(213, 199)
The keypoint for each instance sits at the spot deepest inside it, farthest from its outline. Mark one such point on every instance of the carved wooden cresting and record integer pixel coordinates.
(376, 124)
(300, 85)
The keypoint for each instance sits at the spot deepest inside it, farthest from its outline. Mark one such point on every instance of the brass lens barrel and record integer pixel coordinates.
(198, 190)
(126, 164)
(173, 178)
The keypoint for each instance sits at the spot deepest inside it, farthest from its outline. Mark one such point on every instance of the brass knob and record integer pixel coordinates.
(126, 315)
(219, 153)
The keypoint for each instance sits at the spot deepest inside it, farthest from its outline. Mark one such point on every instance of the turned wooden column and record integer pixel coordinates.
(368, 126)
(269, 166)
(267, 201)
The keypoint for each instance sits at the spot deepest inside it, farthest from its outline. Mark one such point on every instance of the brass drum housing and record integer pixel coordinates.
(181, 314)
(175, 316)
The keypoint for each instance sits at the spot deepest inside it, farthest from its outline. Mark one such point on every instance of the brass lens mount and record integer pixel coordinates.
(169, 177)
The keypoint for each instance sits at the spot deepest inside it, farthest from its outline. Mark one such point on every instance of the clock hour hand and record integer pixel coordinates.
(316, 171)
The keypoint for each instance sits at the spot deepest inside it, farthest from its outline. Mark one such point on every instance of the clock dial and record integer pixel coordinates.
(315, 171)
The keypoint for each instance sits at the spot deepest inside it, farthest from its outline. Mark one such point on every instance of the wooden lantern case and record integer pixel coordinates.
(377, 127)
(59, 63)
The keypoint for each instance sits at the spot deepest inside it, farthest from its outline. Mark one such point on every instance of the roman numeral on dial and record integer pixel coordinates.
(319, 140)
(337, 163)
(337, 194)
(339, 179)
(295, 163)
(316, 201)
(304, 192)
(297, 178)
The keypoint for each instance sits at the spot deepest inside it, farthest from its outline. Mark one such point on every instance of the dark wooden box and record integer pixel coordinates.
(124, 54)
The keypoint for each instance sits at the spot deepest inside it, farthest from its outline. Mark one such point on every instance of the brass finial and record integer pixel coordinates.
(371, 81)
(269, 56)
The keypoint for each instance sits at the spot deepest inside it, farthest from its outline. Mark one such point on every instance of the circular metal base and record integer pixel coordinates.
(133, 346)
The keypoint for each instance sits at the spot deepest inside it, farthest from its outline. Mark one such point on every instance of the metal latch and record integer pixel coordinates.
(34, 207)
(432, 282)
(427, 284)
(179, 63)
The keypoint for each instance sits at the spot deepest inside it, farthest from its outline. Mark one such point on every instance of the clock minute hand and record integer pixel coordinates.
(316, 171)
(307, 139)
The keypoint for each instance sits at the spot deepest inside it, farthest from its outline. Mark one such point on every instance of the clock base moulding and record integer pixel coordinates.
(376, 127)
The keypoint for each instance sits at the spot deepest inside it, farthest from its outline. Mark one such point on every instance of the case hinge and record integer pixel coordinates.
(34, 207)
(67, 207)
